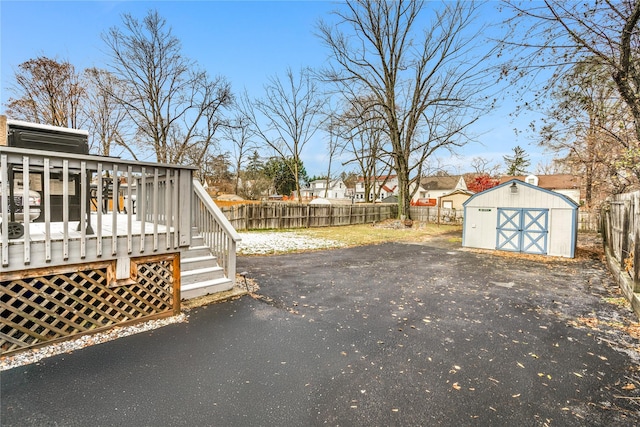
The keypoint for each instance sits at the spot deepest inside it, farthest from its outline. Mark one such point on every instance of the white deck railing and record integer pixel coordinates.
(216, 230)
(80, 196)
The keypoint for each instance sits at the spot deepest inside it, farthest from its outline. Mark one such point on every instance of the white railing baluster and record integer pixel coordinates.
(83, 210)
(4, 205)
(26, 209)
(47, 209)
(127, 207)
(65, 209)
(99, 203)
(156, 191)
(114, 210)
(141, 206)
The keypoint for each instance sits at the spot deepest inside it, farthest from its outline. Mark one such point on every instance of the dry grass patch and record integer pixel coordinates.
(368, 234)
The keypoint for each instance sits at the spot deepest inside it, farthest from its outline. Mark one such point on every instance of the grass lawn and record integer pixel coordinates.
(368, 234)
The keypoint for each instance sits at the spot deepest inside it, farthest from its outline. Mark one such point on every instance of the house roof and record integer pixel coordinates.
(459, 191)
(440, 182)
(378, 178)
(549, 182)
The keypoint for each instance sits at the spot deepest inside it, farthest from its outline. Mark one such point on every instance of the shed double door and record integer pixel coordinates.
(523, 230)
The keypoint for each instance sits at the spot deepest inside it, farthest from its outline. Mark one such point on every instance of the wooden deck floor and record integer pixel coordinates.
(37, 231)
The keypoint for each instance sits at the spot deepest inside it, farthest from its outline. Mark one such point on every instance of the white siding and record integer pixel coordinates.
(526, 197)
(560, 232)
(480, 227)
(481, 216)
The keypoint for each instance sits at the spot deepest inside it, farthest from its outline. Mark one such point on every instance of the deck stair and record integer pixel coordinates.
(200, 273)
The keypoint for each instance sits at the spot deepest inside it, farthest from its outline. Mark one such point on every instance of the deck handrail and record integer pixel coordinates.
(215, 229)
(77, 191)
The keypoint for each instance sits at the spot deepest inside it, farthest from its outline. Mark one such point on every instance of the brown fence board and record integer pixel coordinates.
(266, 216)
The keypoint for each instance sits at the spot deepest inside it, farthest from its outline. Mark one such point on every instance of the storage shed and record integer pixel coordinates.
(520, 217)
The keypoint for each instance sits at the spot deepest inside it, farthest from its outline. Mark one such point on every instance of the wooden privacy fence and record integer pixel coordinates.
(621, 235)
(262, 216)
(589, 220)
(436, 215)
(291, 215)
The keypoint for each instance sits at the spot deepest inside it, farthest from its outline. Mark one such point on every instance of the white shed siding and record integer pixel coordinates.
(481, 216)
(480, 227)
(561, 232)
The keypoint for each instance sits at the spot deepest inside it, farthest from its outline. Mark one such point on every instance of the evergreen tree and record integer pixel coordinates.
(518, 163)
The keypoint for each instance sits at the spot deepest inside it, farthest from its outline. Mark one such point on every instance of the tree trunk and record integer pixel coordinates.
(404, 196)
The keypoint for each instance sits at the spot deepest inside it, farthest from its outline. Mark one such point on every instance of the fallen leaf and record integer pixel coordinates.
(629, 386)
(456, 386)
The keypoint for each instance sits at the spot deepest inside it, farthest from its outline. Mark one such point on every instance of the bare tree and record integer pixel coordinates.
(333, 146)
(362, 131)
(47, 91)
(586, 126)
(106, 118)
(287, 117)
(426, 84)
(175, 106)
(557, 34)
(240, 133)
(484, 166)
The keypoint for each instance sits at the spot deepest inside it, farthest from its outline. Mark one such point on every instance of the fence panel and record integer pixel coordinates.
(266, 216)
(589, 221)
(437, 215)
(621, 232)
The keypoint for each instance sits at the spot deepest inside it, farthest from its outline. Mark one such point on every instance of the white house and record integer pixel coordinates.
(434, 187)
(387, 185)
(334, 189)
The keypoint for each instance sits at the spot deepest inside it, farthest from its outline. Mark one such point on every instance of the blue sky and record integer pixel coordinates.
(246, 42)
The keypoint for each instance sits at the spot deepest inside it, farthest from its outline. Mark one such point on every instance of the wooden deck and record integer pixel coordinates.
(122, 228)
(67, 275)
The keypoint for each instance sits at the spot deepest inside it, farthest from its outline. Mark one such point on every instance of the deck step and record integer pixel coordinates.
(196, 251)
(199, 289)
(197, 241)
(200, 275)
(197, 262)
(199, 271)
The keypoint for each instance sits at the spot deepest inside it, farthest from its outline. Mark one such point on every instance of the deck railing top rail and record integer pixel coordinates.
(73, 208)
(17, 153)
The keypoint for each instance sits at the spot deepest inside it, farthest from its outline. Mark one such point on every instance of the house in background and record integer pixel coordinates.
(334, 189)
(565, 184)
(387, 185)
(455, 199)
(434, 187)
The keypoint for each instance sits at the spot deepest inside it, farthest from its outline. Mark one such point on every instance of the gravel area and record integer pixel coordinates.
(35, 355)
(258, 243)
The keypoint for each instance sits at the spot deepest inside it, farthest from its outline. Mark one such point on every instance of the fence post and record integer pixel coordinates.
(624, 238)
(636, 262)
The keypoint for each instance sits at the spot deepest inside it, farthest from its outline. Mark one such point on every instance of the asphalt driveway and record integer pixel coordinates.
(393, 334)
